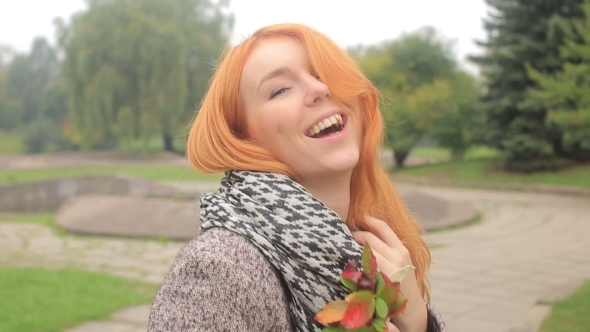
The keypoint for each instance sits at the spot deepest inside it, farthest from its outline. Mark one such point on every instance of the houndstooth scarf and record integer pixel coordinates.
(305, 240)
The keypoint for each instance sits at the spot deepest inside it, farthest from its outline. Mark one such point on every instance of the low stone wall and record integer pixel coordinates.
(48, 195)
(130, 216)
(130, 206)
(434, 213)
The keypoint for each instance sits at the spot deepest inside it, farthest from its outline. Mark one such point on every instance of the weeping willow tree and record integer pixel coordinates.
(136, 68)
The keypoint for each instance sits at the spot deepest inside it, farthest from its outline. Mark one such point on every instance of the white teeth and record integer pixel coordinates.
(315, 130)
(326, 123)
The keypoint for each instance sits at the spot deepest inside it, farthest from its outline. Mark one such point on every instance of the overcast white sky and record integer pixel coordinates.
(347, 22)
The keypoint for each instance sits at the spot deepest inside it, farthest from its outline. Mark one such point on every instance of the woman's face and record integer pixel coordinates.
(291, 113)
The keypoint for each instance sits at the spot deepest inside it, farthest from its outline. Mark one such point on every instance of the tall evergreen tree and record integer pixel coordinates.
(521, 33)
(567, 93)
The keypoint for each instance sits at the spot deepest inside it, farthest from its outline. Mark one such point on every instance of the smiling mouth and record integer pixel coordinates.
(331, 125)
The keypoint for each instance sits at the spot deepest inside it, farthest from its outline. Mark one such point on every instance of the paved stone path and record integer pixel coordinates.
(530, 247)
(488, 277)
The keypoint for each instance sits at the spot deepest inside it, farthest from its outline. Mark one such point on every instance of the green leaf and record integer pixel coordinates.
(389, 293)
(350, 284)
(369, 262)
(381, 307)
(333, 329)
(360, 310)
(380, 282)
(360, 329)
(379, 324)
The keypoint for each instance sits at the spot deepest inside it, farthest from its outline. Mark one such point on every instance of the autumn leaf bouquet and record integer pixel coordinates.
(374, 299)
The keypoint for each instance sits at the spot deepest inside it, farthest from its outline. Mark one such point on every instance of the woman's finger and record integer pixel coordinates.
(375, 242)
(391, 327)
(383, 231)
(394, 254)
(387, 259)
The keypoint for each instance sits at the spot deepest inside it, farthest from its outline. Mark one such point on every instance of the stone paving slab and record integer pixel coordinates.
(36, 245)
(133, 315)
(110, 326)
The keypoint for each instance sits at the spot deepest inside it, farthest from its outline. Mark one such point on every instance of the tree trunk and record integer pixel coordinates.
(579, 153)
(400, 157)
(168, 143)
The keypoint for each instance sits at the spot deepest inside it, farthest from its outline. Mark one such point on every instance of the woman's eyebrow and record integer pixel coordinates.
(277, 72)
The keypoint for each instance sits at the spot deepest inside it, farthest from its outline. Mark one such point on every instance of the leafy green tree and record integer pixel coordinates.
(424, 92)
(39, 134)
(10, 109)
(29, 75)
(522, 32)
(462, 121)
(566, 94)
(54, 102)
(137, 68)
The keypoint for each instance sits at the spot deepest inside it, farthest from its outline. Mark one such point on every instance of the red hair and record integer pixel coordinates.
(217, 141)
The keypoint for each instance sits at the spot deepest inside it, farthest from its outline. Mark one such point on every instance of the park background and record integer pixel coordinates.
(488, 94)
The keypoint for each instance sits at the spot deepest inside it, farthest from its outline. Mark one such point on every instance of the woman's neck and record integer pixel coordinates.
(334, 192)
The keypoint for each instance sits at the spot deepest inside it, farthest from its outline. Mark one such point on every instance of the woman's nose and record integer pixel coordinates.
(317, 91)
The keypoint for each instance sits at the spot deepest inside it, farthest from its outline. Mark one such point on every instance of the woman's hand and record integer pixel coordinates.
(391, 327)
(391, 256)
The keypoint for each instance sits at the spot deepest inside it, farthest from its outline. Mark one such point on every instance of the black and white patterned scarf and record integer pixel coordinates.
(305, 240)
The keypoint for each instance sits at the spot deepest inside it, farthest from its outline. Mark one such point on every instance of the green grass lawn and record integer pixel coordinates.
(151, 172)
(571, 314)
(485, 170)
(39, 300)
(438, 154)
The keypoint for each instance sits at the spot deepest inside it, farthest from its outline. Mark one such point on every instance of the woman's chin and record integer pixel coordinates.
(337, 165)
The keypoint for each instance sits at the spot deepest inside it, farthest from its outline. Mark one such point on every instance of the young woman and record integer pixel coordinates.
(295, 125)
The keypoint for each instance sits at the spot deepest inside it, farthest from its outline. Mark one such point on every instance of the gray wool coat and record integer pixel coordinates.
(222, 282)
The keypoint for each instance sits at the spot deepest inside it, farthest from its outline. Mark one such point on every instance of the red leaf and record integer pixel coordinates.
(333, 312)
(399, 310)
(351, 272)
(369, 262)
(360, 310)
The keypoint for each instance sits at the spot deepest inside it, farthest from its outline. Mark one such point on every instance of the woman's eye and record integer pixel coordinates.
(278, 92)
